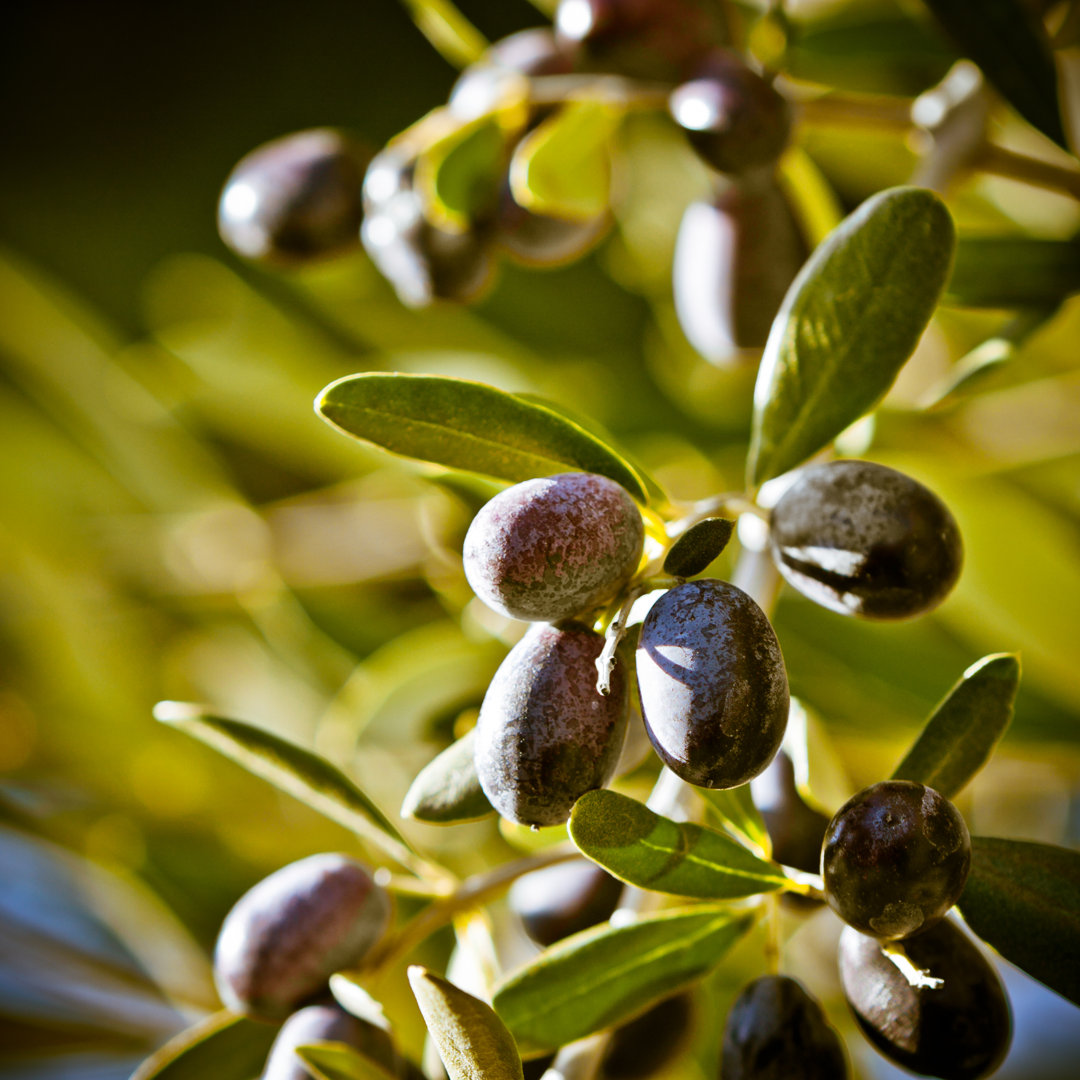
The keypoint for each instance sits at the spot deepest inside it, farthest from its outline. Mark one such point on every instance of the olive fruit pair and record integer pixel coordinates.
(862, 539)
(288, 934)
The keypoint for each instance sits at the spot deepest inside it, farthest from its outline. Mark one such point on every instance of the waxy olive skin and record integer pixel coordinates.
(862, 539)
(895, 859)
(545, 734)
(714, 691)
(327, 1023)
(777, 1031)
(288, 934)
(548, 549)
(957, 1030)
(561, 900)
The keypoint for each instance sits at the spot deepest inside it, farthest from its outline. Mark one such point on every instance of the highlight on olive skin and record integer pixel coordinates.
(327, 1022)
(895, 859)
(862, 539)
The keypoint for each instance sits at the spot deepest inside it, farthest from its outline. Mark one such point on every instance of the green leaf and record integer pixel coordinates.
(637, 846)
(738, 814)
(698, 546)
(1013, 271)
(472, 1041)
(468, 425)
(447, 789)
(293, 769)
(563, 168)
(225, 1046)
(606, 975)
(1023, 899)
(850, 320)
(1006, 40)
(963, 730)
(337, 1061)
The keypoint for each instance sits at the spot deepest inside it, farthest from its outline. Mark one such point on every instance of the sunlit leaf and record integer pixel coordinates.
(563, 168)
(1013, 271)
(642, 848)
(472, 1041)
(1024, 899)
(736, 809)
(960, 736)
(447, 790)
(224, 1046)
(698, 546)
(468, 425)
(849, 322)
(337, 1061)
(603, 976)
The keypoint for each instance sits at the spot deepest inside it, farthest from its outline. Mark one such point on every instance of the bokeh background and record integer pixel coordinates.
(176, 522)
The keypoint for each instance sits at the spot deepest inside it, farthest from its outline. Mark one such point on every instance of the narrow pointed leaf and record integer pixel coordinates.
(698, 546)
(606, 975)
(849, 322)
(472, 1041)
(739, 815)
(642, 848)
(224, 1045)
(294, 769)
(468, 425)
(337, 1061)
(1013, 271)
(963, 730)
(1023, 899)
(447, 789)
(1006, 40)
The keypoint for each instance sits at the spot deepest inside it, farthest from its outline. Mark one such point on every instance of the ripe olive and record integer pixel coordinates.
(295, 199)
(796, 830)
(327, 1023)
(733, 117)
(551, 548)
(714, 691)
(289, 933)
(863, 539)
(895, 859)
(777, 1031)
(560, 900)
(541, 240)
(545, 734)
(958, 1029)
(643, 1045)
(735, 257)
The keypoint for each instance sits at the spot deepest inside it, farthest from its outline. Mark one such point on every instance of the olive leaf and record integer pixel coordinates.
(224, 1045)
(1023, 898)
(642, 848)
(468, 425)
(1013, 271)
(603, 976)
(963, 730)
(1007, 41)
(447, 789)
(338, 1061)
(849, 322)
(738, 814)
(295, 770)
(472, 1041)
(698, 546)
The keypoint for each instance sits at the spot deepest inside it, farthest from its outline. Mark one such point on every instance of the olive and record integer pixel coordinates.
(295, 199)
(543, 240)
(545, 734)
(560, 900)
(895, 858)
(735, 257)
(714, 691)
(327, 1023)
(863, 539)
(777, 1031)
(551, 548)
(733, 117)
(796, 830)
(956, 1025)
(288, 934)
(644, 1045)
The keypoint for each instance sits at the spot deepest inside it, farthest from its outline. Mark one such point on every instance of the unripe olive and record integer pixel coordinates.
(895, 859)
(796, 830)
(735, 257)
(777, 1031)
(545, 734)
(645, 1044)
(958, 1029)
(560, 900)
(863, 539)
(288, 934)
(733, 117)
(548, 549)
(295, 199)
(714, 691)
(327, 1023)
